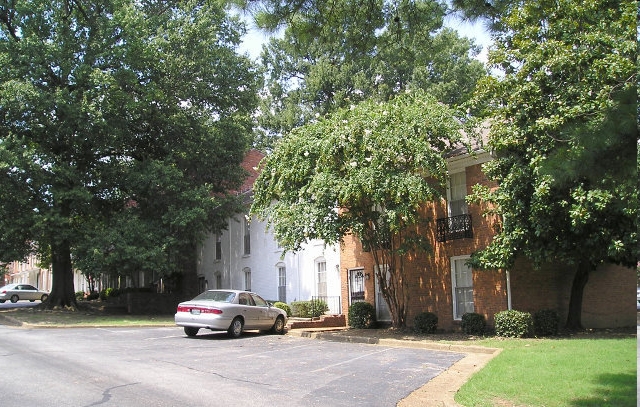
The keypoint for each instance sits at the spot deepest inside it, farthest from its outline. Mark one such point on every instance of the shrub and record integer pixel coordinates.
(362, 315)
(93, 295)
(545, 322)
(109, 293)
(425, 323)
(318, 307)
(283, 307)
(300, 309)
(473, 324)
(79, 295)
(513, 324)
(309, 309)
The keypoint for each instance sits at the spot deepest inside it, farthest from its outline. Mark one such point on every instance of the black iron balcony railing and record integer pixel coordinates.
(454, 227)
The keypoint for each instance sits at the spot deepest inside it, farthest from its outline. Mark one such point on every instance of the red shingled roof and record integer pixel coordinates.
(250, 164)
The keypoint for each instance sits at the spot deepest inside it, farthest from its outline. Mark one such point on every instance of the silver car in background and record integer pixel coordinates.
(17, 292)
(229, 310)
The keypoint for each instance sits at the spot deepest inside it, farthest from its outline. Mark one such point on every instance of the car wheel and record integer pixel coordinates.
(44, 297)
(14, 298)
(191, 331)
(278, 326)
(32, 300)
(235, 329)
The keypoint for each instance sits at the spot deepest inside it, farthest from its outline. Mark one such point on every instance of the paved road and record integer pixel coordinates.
(161, 367)
(19, 304)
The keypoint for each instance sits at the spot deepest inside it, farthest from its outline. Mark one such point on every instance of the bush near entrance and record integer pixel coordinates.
(362, 315)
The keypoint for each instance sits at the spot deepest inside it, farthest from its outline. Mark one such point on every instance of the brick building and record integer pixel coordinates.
(441, 282)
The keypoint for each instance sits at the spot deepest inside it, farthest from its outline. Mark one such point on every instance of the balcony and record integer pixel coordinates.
(454, 227)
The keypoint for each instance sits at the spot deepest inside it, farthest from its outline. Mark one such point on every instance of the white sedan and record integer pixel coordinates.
(17, 292)
(229, 310)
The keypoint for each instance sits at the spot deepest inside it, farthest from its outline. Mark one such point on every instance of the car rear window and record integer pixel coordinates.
(219, 296)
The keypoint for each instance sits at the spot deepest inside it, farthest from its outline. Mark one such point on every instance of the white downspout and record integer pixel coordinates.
(298, 271)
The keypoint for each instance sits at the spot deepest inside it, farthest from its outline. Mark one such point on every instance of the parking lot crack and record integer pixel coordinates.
(106, 395)
(239, 380)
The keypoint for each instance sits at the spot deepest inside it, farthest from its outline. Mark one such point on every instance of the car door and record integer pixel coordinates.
(266, 317)
(27, 292)
(251, 313)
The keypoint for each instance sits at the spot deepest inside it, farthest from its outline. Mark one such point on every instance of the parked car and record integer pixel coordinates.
(638, 300)
(17, 292)
(229, 310)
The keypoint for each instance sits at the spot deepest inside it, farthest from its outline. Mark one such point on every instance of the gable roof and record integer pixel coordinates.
(250, 164)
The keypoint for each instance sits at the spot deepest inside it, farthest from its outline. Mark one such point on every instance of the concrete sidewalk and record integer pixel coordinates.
(438, 392)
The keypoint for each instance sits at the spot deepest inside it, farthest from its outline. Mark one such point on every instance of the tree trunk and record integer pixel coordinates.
(574, 319)
(62, 291)
(394, 296)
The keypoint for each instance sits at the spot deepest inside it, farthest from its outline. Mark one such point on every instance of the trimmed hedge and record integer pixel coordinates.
(425, 323)
(473, 324)
(283, 307)
(545, 322)
(362, 315)
(309, 309)
(513, 324)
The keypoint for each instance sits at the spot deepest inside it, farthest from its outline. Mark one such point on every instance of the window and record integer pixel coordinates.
(282, 283)
(218, 247)
(245, 299)
(218, 280)
(247, 235)
(462, 282)
(247, 279)
(321, 267)
(356, 285)
(457, 194)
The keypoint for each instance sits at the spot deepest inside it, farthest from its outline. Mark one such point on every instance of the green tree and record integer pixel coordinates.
(565, 132)
(121, 121)
(333, 54)
(367, 171)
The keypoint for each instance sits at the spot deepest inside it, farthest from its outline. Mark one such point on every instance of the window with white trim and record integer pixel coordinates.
(457, 194)
(218, 246)
(247, 279)
(282, 283)
(247, 235)
(321, 267)
(462, 283)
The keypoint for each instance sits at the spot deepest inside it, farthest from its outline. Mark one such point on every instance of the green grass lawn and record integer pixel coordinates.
(555, 372)
(82, 318)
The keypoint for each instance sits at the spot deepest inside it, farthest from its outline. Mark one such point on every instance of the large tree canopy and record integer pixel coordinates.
(365, 170)
(565, 133)
(336, 53)
(119, 118)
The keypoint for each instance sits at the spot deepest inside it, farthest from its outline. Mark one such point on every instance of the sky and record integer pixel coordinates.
(254, 39)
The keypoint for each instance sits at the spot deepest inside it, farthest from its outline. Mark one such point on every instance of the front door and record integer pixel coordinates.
(382, 309)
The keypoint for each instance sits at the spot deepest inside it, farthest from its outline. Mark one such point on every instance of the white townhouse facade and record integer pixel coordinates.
(246, 256)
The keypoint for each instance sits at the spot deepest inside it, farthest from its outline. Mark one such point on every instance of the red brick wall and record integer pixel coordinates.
(608, 297)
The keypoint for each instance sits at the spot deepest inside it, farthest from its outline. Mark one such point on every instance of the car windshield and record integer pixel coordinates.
(219, 296)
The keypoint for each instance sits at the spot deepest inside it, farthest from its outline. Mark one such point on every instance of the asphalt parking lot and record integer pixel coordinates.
(162, 367)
